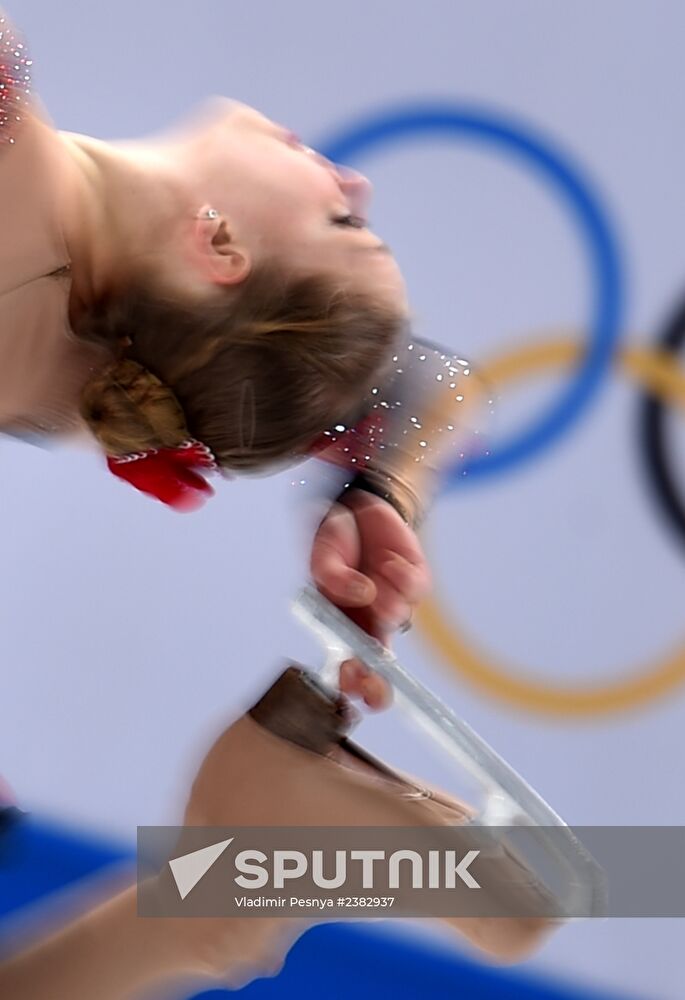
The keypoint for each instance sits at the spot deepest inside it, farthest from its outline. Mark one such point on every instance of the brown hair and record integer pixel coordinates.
(256, 375)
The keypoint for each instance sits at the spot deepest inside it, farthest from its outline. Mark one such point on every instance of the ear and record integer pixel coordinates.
(221, 259)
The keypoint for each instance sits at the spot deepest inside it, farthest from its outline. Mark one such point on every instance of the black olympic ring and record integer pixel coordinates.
(653, 437)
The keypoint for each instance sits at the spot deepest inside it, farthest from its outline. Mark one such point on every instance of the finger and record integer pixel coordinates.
(357, 680)
(352, 675)
(390, 606)
(342, 584)
(410, 580)
(366, 619)
(406, 543)
(376, 692)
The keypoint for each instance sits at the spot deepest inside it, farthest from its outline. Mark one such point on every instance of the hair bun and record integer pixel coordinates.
(129, 409)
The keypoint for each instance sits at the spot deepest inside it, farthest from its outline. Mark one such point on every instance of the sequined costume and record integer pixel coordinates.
(42, 365)
(424, 418)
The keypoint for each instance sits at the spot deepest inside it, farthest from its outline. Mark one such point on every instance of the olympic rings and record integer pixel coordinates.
(545, 161)
(655, 370)
(653, 436)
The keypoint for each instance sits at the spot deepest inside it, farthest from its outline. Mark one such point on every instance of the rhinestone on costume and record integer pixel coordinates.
(413, 416)
(15, 82)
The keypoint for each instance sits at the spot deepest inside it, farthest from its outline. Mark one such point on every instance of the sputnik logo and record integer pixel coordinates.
(190, 868)
(258, 870)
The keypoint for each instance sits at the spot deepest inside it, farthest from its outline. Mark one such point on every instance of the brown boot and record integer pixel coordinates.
(289, 762)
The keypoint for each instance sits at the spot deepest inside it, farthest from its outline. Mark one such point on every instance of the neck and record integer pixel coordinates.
(126, 203)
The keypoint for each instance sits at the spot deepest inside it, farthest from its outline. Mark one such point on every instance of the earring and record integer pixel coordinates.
(209, 213)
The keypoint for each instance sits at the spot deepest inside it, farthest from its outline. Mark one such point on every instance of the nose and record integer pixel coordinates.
(356, 188)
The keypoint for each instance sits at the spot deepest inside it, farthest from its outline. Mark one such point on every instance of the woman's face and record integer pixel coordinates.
(284, 200)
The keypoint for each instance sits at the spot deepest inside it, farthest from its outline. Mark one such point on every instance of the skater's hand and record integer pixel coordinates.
(368, 562)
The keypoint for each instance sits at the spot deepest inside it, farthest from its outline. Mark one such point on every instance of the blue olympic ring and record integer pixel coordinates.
(575, 192)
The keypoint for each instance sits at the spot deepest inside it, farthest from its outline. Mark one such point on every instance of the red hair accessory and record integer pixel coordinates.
(169, 474)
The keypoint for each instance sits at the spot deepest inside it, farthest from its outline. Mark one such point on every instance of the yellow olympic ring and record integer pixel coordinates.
(655, 370)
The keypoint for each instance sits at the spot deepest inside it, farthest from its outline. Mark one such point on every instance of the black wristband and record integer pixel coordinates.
(365, 483)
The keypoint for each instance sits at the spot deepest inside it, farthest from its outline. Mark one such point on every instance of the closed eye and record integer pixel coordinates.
(351, 221)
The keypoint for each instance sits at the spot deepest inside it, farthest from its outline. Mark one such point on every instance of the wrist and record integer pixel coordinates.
(388, 488)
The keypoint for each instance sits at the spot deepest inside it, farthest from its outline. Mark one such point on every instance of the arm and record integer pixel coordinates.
(366, 556)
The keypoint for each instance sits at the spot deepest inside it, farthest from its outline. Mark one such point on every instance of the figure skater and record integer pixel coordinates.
(209, 300)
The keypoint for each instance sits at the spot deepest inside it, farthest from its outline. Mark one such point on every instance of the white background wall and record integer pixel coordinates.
(129, 632)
